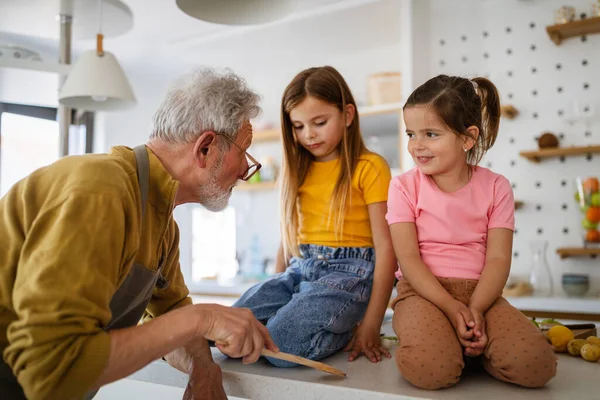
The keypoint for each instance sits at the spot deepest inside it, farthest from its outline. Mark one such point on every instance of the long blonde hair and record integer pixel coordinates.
(326, 84)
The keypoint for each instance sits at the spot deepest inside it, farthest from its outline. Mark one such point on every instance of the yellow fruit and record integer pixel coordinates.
(574, 346)
(559, 337)
(593, 340)
(590, 352)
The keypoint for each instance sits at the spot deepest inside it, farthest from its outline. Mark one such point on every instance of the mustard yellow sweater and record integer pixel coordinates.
(69, 233)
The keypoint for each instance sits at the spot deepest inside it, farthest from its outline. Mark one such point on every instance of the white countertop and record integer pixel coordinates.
(583, 305)
(576, 378)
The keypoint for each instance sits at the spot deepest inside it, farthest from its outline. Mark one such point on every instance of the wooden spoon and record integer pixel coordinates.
(303, 361)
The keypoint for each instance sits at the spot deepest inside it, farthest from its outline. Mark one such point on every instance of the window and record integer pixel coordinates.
(27, 144)
(29, 139)
(213, 245)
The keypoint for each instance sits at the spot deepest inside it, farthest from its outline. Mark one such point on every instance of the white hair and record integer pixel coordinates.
(201, 101)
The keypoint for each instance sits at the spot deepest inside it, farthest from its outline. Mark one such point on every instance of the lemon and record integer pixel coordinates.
(559, 337)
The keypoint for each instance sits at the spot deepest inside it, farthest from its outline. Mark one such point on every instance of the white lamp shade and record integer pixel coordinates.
(97, 83)
(237, 12)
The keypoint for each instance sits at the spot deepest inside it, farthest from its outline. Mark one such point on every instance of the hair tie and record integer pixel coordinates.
(475, 86)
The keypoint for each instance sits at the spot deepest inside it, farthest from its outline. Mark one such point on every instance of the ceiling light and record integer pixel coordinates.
(97, 81)
(237, 12)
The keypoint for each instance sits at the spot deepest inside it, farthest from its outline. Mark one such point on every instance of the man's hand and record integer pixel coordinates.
(463, 322)
(480, 339)
(205, 383)
(236, 332)
(368, 341)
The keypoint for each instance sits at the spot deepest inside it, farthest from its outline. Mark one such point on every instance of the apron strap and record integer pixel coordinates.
(143, 173)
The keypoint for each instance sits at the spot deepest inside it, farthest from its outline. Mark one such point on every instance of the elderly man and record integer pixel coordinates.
(89, 247)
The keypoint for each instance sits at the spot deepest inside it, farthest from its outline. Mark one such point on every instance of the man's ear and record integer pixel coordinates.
(202, 148)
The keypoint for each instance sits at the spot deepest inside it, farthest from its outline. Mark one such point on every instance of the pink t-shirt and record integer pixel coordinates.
(452, 227)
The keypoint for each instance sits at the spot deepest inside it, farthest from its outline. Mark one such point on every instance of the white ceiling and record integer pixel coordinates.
(163, 36)
(37, 17)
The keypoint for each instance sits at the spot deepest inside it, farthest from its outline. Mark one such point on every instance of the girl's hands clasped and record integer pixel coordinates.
(469, 325)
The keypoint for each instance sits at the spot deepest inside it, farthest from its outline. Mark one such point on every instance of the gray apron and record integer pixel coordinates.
(127, 304)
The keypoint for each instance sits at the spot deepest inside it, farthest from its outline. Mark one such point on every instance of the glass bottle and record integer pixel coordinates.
(540, 277)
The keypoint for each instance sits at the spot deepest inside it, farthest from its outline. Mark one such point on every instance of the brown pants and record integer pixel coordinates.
(430, 356)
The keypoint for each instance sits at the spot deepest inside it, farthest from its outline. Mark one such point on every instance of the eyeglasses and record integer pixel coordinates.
(253, 164)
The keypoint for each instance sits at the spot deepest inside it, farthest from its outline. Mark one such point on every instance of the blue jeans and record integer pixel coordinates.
(312, 307)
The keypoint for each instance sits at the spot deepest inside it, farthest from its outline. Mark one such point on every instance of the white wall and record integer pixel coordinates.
(512, 35)
(28, 87)
(132, 127)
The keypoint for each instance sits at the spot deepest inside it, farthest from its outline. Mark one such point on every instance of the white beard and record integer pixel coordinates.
(211, 195)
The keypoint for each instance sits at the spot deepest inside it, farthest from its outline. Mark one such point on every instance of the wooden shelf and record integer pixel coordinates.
(560, 32)
(274, 135)
(538, 155)
(380, 109)
(270, 135)
(566, 252)
(250, 187)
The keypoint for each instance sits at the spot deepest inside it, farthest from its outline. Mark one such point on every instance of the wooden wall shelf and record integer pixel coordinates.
(566, 252)
(274, 135)
(367, 111)
(538, 155)
(256, 186)
(269, 135)
(560, 32)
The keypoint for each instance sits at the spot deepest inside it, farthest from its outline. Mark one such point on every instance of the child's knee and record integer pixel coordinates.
(532, 367)
(536, 367)
(301, 340)
(287, 343)
(429, 372)
(283, 335)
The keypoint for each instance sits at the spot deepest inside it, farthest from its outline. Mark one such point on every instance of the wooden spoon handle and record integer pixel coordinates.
(303, 361)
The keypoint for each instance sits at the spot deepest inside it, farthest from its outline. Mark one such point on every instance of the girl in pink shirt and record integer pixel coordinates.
(452, 228)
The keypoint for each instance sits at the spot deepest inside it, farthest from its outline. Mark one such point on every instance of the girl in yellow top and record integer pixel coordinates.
(335, 241)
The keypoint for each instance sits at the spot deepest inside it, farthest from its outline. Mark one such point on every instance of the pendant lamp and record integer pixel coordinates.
(96, 81)
(237, 12)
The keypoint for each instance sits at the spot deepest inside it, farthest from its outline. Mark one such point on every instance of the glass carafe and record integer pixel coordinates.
(540, 276)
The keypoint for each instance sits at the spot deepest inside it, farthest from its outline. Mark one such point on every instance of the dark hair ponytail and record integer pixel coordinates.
(490, 113)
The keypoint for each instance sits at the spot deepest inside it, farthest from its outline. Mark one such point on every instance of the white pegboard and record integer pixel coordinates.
(506, 41)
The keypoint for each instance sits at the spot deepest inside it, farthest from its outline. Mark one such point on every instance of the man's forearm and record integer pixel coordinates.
(197, 353)
(133, 348)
